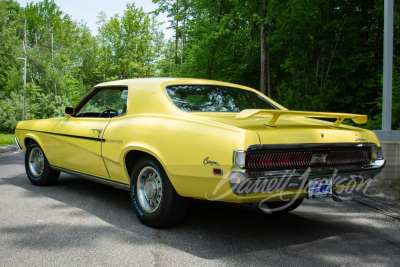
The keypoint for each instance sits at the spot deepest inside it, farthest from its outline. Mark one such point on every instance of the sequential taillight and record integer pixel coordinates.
(285, 159)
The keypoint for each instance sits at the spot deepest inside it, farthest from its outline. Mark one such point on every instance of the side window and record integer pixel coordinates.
(105, 103)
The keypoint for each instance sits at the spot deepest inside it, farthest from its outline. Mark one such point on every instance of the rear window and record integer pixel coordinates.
(214, 98)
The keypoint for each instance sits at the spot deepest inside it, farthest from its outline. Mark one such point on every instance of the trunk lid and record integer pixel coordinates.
(291, 130)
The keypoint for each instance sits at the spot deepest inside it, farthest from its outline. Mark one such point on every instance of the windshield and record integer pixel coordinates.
(215, 98)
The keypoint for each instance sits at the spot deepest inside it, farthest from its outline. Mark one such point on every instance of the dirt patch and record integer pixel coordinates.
(9, 149)
(389, 192)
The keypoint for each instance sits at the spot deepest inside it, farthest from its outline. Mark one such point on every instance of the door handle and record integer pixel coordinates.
(98, 130)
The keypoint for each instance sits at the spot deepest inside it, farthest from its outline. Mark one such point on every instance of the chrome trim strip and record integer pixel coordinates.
(93, 178)
(17, 142)
(374, 165)
(309, 145)
(244, 182)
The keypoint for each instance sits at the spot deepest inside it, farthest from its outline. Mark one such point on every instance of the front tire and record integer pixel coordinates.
(37, 167)
(153, 197)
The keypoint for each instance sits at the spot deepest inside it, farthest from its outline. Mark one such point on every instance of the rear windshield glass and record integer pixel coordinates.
(214, 98)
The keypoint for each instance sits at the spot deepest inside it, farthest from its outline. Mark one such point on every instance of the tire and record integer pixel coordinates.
(37, 167)
(280, 207)
(153, 197)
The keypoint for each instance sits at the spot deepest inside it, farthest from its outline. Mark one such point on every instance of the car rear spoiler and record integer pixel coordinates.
(340, 117)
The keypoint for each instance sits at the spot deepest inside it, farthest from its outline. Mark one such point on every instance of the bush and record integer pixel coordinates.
(38, 105)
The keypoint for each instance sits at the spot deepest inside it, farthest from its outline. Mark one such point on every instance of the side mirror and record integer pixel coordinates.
(68, 110)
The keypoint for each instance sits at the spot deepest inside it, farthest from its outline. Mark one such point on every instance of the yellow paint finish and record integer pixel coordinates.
(79, 149)
(294, 130)
(178, 144)
(179, 140)
(37, 130)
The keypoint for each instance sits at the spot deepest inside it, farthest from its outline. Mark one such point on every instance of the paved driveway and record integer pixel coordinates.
(78, 222)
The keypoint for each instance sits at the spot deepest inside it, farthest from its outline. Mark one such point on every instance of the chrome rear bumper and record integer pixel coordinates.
(244, 182)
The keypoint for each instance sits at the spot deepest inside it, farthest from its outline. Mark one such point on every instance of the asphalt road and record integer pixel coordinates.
(78, 222)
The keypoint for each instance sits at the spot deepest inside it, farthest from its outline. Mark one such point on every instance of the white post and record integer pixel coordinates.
(23, 108)
(387, 66)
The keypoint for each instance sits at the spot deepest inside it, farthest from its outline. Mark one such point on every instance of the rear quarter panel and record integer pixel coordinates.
(181, 145)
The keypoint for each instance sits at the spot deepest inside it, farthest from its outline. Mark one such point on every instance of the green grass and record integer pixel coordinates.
(6, 139)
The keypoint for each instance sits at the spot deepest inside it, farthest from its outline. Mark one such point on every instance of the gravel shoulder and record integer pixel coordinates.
(9, 149)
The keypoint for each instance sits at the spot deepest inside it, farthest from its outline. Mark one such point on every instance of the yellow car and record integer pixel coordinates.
(168, 140)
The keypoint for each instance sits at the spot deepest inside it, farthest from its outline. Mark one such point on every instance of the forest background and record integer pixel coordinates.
(320, 55)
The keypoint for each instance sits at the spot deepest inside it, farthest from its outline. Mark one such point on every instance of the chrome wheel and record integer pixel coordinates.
(149, 189)
(36, 162)
(154, 199)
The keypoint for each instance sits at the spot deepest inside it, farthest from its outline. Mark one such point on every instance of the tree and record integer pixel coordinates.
(130, 44)
(11, 34)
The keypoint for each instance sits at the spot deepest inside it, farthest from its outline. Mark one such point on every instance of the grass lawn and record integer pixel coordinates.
(6, 139)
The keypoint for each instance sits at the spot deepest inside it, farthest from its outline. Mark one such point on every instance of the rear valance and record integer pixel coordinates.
(340, 117)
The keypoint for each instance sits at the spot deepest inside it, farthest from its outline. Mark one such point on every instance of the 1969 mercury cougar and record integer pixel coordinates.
(167, 140)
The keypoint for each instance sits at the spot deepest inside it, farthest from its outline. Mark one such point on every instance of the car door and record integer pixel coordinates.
(80, 137)
(79, 145)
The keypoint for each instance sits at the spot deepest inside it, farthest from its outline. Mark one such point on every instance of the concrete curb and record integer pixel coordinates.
(7, 149)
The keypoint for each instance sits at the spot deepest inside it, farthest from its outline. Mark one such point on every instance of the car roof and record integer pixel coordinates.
(159, 81)
(150, 91)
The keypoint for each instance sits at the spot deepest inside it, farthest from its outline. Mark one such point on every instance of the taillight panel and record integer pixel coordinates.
(301, 158)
